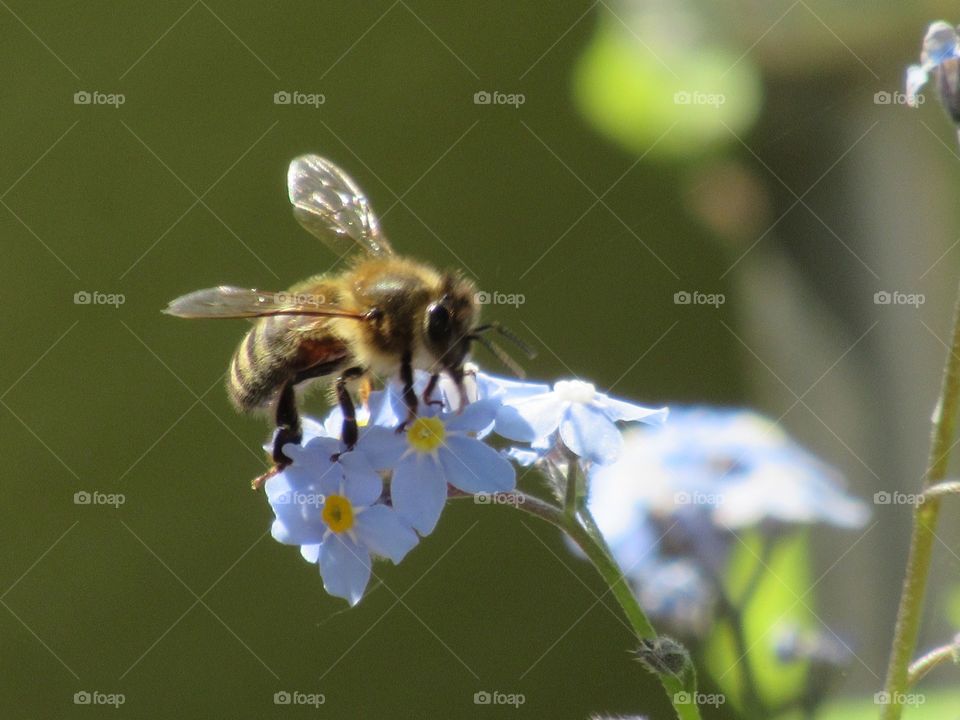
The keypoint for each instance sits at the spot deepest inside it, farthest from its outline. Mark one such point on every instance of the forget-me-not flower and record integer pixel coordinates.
(584, 418)
(439, 448)
(941, 58)
(330, 509)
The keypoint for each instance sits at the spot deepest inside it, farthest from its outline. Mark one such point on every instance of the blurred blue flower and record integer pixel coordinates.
(677, 594)
(331, 510)
(438, 449)
(734, 467)
(669, 506)
(940, 54)
(584, 418)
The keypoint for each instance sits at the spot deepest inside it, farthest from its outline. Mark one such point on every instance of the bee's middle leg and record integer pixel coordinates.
(430, 389)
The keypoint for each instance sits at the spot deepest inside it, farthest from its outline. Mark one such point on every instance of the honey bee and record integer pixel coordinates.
(384, 315)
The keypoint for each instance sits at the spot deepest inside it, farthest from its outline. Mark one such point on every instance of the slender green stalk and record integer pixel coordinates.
(922, 541)
(582, 529)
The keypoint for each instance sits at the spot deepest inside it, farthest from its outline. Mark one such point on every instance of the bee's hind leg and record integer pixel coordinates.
(288, 424)
(288, 431)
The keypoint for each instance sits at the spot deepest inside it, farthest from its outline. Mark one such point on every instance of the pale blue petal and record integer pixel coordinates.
(381, 410)
(297, 528)
(312, 428)
(362, 485)
(418, 492)
(344, 567)
(310, 553)
(381, 529)
(382, 447)
(475, 418)
(394, 392)
(530, 418)
(332, 480)
(590, 434)
(916, 78)
(618, 410)
(522, 456)
(474, 467)
(507, 389)
(297, 509)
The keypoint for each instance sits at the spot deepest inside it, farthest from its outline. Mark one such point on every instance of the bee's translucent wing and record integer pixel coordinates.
(234, 302)
(330, 205)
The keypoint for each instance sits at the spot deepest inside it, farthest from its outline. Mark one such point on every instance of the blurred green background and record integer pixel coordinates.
(798, 197)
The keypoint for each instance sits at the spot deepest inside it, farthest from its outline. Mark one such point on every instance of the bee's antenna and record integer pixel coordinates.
(506, 332)
(500, 354)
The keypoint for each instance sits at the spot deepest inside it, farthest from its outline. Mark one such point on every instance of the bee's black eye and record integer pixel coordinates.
(438, 322)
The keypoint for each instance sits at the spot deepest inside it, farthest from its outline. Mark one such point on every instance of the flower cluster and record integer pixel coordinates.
(670, 506)
(345, 507)
(940, 57)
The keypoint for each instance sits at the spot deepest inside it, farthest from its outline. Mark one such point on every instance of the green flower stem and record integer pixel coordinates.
(942, 655)
(582, 529)
(571, 500)
(925, 516)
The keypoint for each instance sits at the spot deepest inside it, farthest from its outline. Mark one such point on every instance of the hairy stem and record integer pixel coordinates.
(925, 516)
(942, 655)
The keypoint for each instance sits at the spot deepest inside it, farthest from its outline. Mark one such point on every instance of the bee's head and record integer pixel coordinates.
(449, 322)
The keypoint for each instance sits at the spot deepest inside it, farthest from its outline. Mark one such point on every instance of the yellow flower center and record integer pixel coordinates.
(426, 434)
(338, 513)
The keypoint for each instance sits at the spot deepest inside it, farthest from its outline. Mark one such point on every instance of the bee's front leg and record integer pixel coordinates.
(350, 432)
(409, 394)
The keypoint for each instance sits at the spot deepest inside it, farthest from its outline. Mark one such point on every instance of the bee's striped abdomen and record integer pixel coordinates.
(278, 350)
(260, 364)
